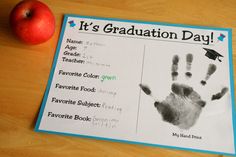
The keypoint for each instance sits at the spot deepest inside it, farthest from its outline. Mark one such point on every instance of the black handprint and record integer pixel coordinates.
(182, 107)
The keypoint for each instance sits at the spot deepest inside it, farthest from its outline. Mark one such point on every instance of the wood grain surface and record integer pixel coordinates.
(24, 72)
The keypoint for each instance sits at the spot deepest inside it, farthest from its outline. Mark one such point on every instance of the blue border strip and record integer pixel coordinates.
(229, 30)
(51, 74)
(231, 65)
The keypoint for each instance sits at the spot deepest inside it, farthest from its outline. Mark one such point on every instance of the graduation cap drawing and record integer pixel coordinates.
(212, 54)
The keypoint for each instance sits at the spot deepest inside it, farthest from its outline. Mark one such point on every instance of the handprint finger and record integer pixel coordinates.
(187, 90)
(174, 67)
(182, 90)
(145, 89)
(220, 94)
(201, 103)
(177, 89)
(211, 69)
(189, 60)
(148, 92)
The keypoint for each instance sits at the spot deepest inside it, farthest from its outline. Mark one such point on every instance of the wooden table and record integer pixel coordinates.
(25, 70)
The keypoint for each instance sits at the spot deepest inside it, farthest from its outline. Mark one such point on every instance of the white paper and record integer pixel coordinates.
(100, 64)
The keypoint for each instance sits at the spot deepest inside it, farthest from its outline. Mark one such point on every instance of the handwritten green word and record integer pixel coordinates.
(107, 78)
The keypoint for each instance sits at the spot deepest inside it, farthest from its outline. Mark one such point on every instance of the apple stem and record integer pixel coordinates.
(28, 14)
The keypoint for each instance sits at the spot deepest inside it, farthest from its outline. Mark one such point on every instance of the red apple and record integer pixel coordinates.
(32, 21)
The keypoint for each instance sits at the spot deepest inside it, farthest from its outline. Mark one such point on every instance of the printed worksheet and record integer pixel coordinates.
(150, 83)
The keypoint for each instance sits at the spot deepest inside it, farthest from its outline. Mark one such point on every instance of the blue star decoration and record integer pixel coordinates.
(72, 24)
(221, 37)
